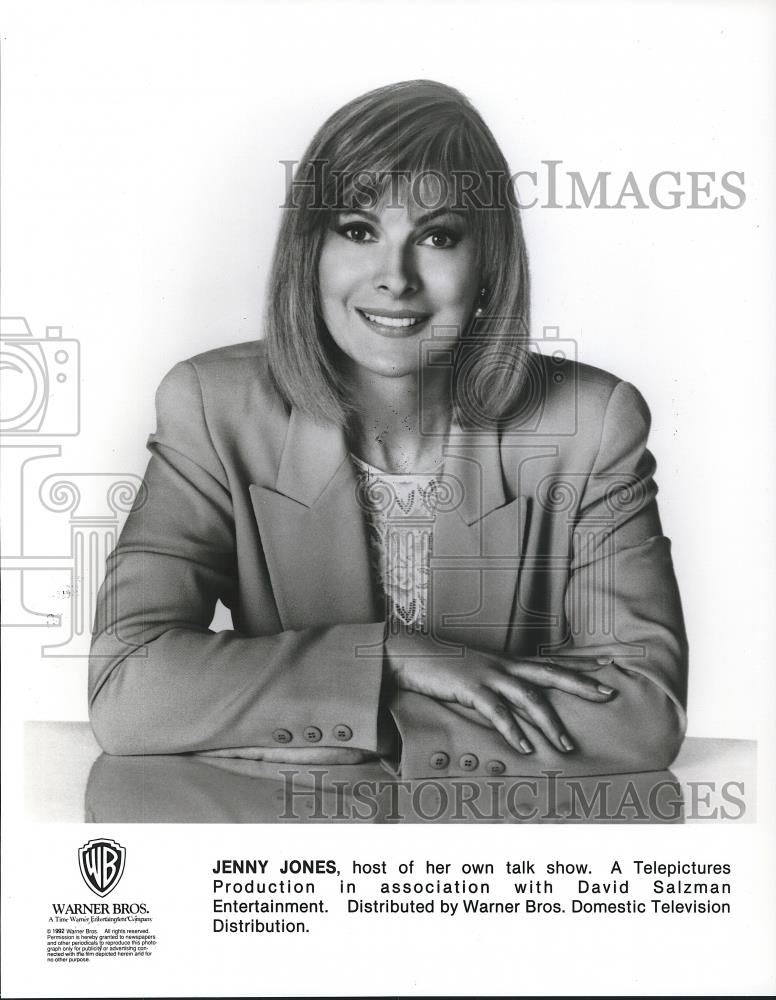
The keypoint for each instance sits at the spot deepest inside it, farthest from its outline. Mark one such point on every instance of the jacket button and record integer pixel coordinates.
(282, 736)
(468, 762)
(495, 767)
(312, 734)
(439, 760)
(343, 733)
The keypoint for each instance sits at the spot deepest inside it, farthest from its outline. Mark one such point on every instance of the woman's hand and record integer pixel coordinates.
(501, 689)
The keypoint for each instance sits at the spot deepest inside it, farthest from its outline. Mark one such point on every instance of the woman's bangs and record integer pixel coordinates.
(434, 167)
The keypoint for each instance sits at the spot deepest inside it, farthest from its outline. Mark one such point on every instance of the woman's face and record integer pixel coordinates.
(389, 275)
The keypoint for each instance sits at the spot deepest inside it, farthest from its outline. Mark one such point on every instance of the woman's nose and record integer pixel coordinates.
(395, 271)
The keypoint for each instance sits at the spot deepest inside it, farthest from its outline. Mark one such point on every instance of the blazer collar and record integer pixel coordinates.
(314, 452)
(474, 459)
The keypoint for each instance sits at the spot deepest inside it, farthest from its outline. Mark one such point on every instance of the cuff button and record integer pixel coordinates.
(495, 767)
(469, 762)
(439, 760)
(343, 733)
(282, 736)
(312, 734)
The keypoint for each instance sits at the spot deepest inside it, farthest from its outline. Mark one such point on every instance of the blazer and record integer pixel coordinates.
(552, 545)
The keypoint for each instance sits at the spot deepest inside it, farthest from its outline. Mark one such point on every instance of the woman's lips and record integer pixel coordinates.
(398, 324)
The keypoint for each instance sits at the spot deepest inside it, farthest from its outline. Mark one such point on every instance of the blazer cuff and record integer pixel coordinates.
(332, 693)
(641, 730)
(444, 741)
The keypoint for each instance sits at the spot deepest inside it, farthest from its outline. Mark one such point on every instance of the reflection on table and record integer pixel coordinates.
(68, 778)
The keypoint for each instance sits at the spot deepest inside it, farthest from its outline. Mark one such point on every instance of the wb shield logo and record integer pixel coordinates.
(102, 865)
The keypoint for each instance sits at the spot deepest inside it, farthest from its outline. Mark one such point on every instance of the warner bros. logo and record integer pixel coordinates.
(102, 865)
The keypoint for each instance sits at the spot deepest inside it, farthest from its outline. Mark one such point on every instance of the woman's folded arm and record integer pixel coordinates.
(622, 600)
(160, 681)
(191, 689)
(624, 631)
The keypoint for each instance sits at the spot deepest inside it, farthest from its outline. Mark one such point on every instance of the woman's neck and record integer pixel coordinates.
(399, 425)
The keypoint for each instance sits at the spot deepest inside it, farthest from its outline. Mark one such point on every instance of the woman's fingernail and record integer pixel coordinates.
(605, 690)
(525, 746)
(566, 742)
(605, 661)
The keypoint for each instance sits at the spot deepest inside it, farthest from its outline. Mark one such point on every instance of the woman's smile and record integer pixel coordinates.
(397, 323)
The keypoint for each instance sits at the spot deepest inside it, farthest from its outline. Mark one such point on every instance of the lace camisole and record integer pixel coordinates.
(400, 510)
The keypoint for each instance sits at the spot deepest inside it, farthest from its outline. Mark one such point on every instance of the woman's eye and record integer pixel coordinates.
(356, 232)
(442, 239)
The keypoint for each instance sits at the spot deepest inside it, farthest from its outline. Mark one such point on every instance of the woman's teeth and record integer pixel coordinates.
(390, 320)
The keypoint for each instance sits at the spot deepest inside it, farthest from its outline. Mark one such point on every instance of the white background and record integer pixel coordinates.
(141, 185)
(140, 191)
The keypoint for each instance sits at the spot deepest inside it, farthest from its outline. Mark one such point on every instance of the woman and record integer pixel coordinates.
(435, 544)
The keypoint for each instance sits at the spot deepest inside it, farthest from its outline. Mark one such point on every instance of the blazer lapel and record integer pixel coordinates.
(316, 544)
(313, 531)
(478, 543)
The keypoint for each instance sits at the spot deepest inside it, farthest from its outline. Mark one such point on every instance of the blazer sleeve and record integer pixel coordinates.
(160, 681)
(622, 601)
(624, 617)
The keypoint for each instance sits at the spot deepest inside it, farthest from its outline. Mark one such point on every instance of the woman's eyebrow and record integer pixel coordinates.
(419, 221)
(436, 214)
(371, 216)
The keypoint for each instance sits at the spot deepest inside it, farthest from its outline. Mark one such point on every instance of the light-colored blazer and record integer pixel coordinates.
(550, 543)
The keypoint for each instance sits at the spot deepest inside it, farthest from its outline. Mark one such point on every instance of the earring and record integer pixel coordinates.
(483, 294)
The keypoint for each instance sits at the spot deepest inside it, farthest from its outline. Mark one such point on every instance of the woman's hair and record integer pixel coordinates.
(429, 136)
